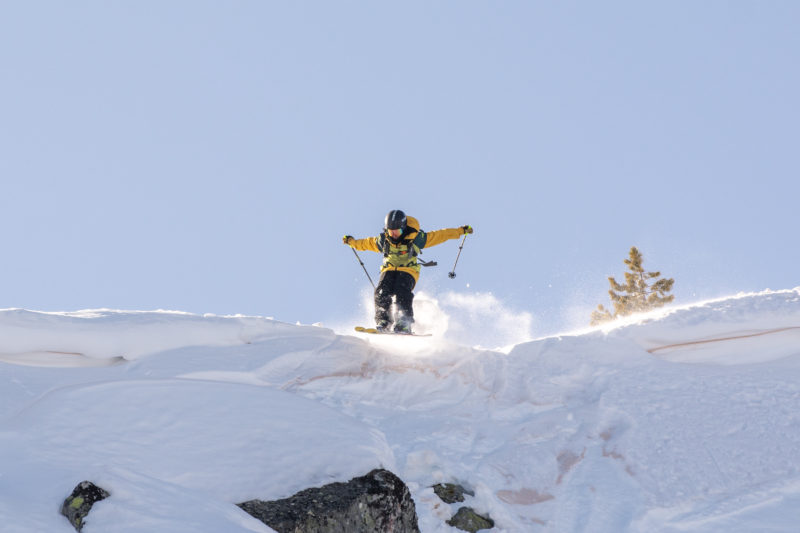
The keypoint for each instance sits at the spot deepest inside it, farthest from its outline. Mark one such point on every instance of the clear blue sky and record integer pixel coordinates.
(208, 156)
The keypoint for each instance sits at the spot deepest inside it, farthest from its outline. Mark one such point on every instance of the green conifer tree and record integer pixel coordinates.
(638, 294)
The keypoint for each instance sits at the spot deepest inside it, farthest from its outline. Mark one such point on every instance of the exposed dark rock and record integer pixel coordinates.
(450, 492)
(377, 502)
(466, 519)
(80, 502)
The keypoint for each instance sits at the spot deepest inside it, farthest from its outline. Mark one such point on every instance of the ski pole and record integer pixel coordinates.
(452, 273)
(362, 266)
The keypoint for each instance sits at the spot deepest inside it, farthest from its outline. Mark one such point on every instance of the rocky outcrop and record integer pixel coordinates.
(451, 493)
(379, 501)
(466, 519)
(80, 502)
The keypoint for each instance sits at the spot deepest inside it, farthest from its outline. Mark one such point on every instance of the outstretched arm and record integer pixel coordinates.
(441, 235)
(369, 244)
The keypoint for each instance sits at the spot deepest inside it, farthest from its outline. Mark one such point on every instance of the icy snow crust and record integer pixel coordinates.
(686, 420)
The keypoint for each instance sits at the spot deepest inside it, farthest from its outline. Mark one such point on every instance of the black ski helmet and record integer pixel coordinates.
(396, 219)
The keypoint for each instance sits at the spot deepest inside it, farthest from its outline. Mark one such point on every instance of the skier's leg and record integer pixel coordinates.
(383, 301)
(405, 301)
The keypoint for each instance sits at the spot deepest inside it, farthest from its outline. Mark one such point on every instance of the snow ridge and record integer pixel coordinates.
(686, 419)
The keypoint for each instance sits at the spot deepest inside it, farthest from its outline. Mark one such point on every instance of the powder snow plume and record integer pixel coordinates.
(472, 319)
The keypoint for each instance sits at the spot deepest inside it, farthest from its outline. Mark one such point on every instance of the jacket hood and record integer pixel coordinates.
(412, 225)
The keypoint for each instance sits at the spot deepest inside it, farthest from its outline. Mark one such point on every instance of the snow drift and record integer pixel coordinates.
(687, 419)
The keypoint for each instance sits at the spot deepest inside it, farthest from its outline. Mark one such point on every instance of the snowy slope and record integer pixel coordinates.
(683, 420)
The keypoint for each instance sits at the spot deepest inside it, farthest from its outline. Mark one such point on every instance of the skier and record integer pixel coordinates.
(401, 242)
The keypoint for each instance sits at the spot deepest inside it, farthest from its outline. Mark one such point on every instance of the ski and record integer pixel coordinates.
(374, 331)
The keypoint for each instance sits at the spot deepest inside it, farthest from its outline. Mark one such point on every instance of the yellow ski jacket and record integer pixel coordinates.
(403, 255)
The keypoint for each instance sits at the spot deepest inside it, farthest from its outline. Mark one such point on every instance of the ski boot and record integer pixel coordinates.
(403, 329)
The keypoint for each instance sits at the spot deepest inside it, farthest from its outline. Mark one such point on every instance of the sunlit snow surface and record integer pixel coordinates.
(685, 420)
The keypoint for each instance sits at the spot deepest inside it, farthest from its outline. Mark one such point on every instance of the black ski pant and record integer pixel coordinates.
(397, 284)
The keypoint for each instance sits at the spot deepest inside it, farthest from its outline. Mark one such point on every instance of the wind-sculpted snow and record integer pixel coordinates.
(748, 328)
(106, 333)
(687, 419)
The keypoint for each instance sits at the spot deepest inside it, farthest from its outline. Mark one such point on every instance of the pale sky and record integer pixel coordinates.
(208, 156)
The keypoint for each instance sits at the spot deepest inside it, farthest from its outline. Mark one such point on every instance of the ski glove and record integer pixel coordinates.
(467, 229)
(347, 238)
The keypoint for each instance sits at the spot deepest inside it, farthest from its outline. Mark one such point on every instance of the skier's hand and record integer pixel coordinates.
(467, 229)
(346, 239)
